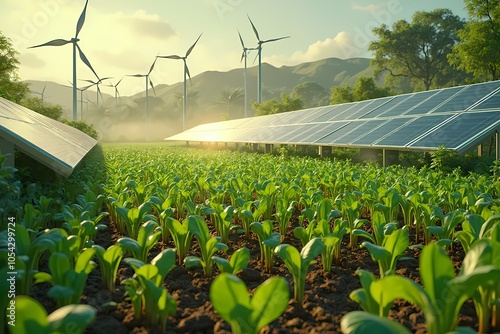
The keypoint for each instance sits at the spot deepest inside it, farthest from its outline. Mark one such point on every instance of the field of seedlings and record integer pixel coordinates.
(151, 238)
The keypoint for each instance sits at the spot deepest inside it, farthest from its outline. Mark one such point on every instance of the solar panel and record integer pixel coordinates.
(386, 106)
(311, 135)
(361, 108)
(459, 130)
(352, 132)
(411, 121)
(407, 105)
(492, 102)
(340, 110)
(409, 131)
(376, 133)
(56, 145)
(435, 100)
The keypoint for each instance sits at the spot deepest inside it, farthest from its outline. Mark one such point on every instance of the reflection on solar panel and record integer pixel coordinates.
(457, 117)
(56, 145)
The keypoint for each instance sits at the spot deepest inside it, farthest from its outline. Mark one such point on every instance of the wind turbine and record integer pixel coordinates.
(259, 50)
(42, 93)
(186, 72)
(115, 86)
(97, 83)
(81, 90)
(244, 56)
(148, 82)
(74, 41)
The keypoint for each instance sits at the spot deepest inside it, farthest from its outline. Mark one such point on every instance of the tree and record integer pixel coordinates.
(312, 94)
(49, 110)
(478, 52)
(231, 98)
(273, 106)
(418, 50)
(11, 88)
(364, 89)
(341, 94)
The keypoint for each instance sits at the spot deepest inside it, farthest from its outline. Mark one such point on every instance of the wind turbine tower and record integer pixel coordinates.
(186, 74)
(74, 41)
(259, 50)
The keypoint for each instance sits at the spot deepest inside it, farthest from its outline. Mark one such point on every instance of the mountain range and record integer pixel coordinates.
(124, 118)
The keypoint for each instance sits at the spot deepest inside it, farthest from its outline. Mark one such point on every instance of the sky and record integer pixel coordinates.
(122, 37)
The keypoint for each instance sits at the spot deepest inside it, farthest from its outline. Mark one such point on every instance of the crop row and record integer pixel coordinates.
(155, 193)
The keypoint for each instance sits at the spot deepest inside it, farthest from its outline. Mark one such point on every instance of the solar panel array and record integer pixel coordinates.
(459, 118)
(56, 145)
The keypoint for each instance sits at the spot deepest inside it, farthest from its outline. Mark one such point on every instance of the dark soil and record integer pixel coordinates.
(326, 298)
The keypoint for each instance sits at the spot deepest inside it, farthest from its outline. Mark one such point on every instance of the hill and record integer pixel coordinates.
(125, 117)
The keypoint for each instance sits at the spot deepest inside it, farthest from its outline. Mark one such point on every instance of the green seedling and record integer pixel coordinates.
(239, 261)
(182, 237)
(359, 322)
(245, 314)
(284, 211)
(442, 294)
(393, 247)
(109, 261)
(485, 252)
(208, 245)
(149, 298)
(268, 241)
(298, 263)
(134, 217)
(31, 317)
(149, 234)
(332, 239)
(67, 281)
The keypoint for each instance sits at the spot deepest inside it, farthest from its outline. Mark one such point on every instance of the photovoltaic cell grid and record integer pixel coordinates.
(455, 117)
(56, 145)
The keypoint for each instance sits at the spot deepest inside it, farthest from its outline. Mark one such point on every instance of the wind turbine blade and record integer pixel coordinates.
(136, 75)
(187, 72)
(152, 66)
(119, 82)
(81, 20)
(102, 79)
(274, 39)
(86, 61)
(170, 57)
(256, 56)
(152, 86)
(254, 29)
(55, 42)
(192, 46)
(241, 40)
(99, 91)
(92, 82)
(243, 55)
(43, 90)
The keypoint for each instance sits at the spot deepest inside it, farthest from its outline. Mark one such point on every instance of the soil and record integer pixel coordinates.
(326, 298)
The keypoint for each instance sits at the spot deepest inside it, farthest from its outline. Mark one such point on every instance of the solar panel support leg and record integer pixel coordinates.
(269, 148)
(497, 146)
(7, 148)
(325, 151)
(480, 150)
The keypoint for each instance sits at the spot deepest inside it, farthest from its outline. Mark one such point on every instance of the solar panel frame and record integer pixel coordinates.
(56, 145)
(400, 122)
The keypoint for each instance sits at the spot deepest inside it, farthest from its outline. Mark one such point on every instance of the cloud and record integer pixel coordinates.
(369, 8)
(146, 25)
(341, 46)
(31, 60)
